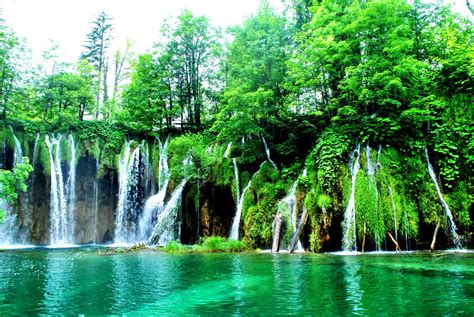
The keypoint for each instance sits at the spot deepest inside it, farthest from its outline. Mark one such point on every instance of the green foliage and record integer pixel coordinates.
(175, 247)
(326, 157)
(207, 245)
(207, 164)
(256, 70)
(261, 204)
(13, 182)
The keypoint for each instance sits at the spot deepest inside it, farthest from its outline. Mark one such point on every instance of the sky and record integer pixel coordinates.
(67, 22)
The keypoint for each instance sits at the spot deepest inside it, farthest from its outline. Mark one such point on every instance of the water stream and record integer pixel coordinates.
(62, 196)
(267, 151)
(451, 224)
(349, 227)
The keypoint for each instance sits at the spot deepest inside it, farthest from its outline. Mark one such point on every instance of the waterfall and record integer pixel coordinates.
(33, 161)
(379, 152)
(129, 178)
(61, 215)
(155, 204)
(350, 235)
(71, 182)
(267, 151)
(18, 154)
(163, 169)
(9, 227)
(452, 226)
(368, 155)
(234, 232)
(236, 176)
(394, 211)
(287, 206)
(227, 150)
(96, 200)
(149, 174)
(165, 229)
(371, 169)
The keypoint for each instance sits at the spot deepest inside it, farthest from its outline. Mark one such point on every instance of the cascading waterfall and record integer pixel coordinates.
(394, 212)
(96, 200)
(71, 182)
(234, 232)
(236, 176)
(18, 154)
(35, 156)
(8, 229)
(350, 235)
(267, 151)
(129, 175)
(371, 169)
(62, 216)
(227, 150)
(155, 204)
(452, 226)
(287, 206)
(165, 229)
(163, 169)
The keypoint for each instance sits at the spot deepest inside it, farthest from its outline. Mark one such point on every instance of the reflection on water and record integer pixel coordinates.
(58, 288)
(238, 284)
(352, 278)
(81, 281)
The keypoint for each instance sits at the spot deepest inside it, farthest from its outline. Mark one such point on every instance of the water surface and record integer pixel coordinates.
(81, 281)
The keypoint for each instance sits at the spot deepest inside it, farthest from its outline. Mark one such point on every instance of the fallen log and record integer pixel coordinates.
(433, 242)
(397, 247)
(277, 233)
(299, 230)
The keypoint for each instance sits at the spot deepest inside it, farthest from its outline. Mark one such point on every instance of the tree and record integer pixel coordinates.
(121, 72)
(96, 53)
(11, 57)
(190, 44)
(255, 91)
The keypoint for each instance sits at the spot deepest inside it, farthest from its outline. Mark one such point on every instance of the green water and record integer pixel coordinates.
(80, 281)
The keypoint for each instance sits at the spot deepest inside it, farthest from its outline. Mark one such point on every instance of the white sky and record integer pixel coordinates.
(67, 22)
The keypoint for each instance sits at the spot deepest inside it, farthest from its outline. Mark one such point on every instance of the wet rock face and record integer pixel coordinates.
(213, 216)
(89, 226)
(94, 224)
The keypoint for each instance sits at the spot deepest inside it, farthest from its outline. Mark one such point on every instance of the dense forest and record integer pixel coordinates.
(345, 124)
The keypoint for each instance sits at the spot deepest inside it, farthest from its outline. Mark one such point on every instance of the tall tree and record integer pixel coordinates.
(255, 90)
(192, 42)
(96, 53)
(11, 57)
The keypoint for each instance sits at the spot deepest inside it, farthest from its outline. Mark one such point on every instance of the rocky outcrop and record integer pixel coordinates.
(213, 216)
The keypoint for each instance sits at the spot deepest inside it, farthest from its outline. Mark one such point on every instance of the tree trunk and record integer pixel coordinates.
(433, 242)
(277, 233)
(299, 230)
(397, 247)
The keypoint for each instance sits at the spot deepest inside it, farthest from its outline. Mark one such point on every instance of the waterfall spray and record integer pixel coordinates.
(267, 151)
(452, 226)
(61, 217)
(350, 235)
(155, 204)
(129, 174)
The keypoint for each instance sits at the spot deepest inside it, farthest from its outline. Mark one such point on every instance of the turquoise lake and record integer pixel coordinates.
(82, 281)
